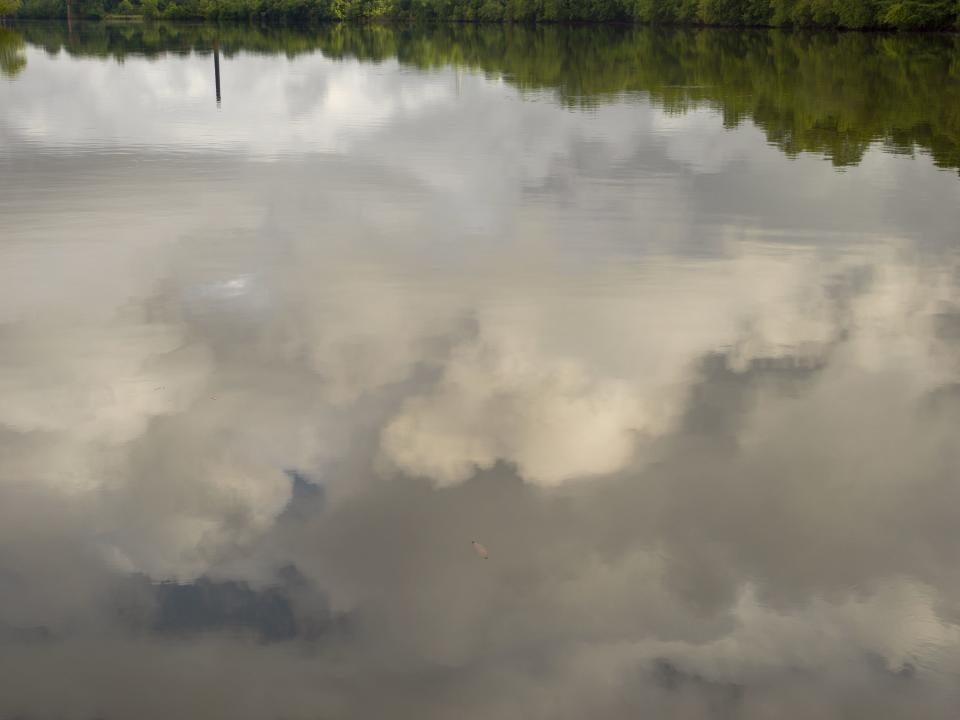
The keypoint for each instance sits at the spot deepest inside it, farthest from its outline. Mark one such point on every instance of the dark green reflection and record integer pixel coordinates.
(829, 93)
(12, 60)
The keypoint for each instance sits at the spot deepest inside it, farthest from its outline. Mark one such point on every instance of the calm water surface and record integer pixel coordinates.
(669, 321)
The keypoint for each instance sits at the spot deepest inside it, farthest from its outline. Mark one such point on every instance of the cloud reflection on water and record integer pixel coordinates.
(711, 447)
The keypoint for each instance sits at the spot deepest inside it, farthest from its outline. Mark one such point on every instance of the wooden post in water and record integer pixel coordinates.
(216, 68)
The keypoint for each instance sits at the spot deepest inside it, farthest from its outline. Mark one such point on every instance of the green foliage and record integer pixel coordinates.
(918, 14)
(901, 14)
(42, 9)
(716, 12)
(667, 12)
(90, 9)
(12, 58)
(491, 11)
(9, 7)
(720, 12)
(855, 14)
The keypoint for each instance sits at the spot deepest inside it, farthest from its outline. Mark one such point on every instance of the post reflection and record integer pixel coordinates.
(216, 68)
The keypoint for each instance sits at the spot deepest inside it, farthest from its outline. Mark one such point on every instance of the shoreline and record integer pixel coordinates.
(271, 22)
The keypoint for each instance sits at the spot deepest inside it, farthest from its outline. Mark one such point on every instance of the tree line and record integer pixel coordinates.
(849, 14)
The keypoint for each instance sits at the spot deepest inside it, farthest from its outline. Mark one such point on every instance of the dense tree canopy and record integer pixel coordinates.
(8, 7)
(900, 14)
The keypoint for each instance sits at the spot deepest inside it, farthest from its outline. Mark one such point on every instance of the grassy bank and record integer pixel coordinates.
(851, 14)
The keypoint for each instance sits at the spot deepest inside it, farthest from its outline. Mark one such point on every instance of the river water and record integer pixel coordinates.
(668, 320)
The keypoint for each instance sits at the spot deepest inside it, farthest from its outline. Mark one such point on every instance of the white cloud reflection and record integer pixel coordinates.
(731, 428)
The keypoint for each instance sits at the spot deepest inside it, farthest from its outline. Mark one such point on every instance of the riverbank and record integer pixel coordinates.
(827, 14)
